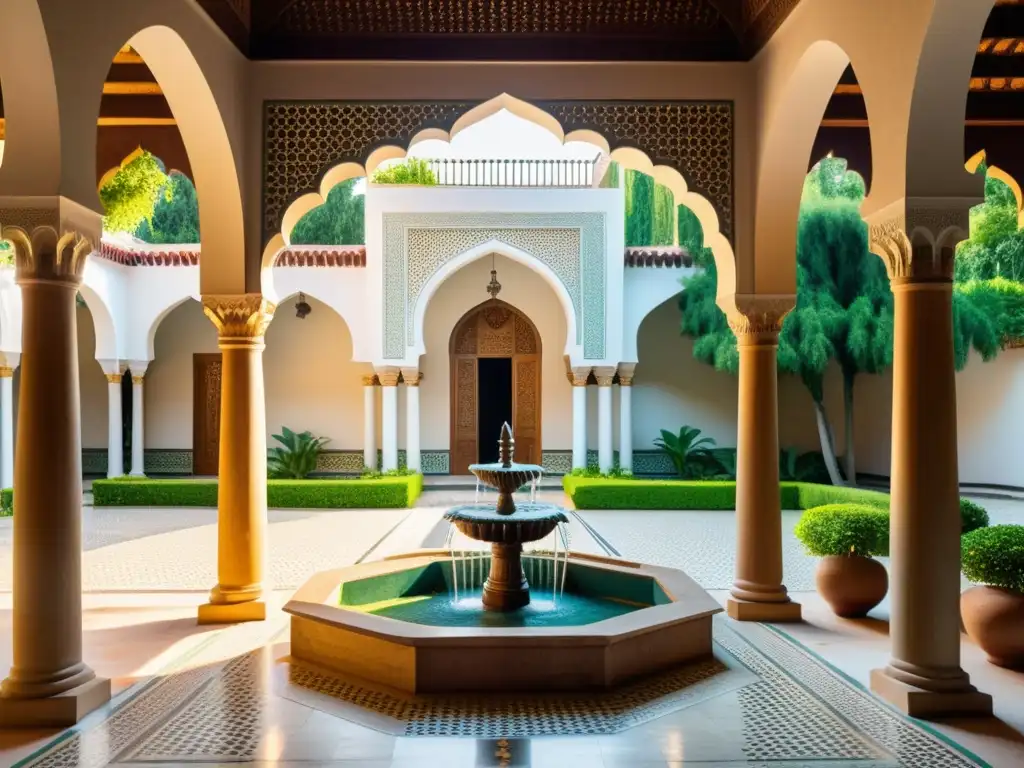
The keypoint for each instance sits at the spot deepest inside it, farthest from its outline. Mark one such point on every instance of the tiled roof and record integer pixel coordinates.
(322, 256)
(150, 255)
(658, 256)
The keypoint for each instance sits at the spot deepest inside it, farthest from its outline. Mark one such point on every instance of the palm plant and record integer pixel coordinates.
(688, 451)
(298, 458)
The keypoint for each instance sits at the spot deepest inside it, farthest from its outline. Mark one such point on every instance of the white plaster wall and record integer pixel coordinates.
(153, 293)
(456, 200)
(168, 388)
(311, 381)
(529, 293)
(92, 382)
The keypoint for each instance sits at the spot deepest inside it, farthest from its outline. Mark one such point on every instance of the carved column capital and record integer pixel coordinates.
(138, 380)
(916, 237)
(241, 319)
(604, 374)
(758, 318)
(44, 255)
(371, 380)
(113, 378)
(411, 377)
(578, 376)
(626, 371)
(6, 372)
(388, 376)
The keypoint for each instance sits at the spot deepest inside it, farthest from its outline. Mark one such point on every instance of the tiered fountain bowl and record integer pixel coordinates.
(431, 621)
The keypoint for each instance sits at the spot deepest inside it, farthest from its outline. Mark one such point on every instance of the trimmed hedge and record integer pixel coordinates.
(361, 493)
(6, 502)
(845, 529)
(994, 556)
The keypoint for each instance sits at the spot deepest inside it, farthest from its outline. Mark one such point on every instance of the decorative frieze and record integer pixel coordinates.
(239, 318)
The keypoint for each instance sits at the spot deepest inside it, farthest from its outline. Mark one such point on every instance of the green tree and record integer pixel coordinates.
(662, 224)
(410, 171)
(175, 218)
(341, 220)
(996, 245)
(639, 208)
(131, 194)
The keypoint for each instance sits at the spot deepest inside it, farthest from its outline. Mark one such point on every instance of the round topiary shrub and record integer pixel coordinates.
(972, 516)
(994, 556)
(844, 529)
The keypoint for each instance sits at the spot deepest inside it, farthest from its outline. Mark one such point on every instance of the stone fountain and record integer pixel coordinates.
(506, 527)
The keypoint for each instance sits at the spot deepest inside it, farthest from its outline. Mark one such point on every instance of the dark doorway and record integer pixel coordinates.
(494, 394)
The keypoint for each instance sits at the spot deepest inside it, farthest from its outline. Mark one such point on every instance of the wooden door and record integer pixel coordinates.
(464, 448)
(526, 407)
(206, 378)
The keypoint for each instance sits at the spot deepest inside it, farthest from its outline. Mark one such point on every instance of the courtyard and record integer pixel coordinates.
(782, 695)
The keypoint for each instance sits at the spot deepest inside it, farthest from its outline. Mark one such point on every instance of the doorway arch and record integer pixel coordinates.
(493, 332)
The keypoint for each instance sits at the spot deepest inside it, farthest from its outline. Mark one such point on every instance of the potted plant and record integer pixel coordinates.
(847, 537)
(993, 613)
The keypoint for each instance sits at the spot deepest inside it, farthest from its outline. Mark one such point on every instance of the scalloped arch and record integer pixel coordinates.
(998, 173)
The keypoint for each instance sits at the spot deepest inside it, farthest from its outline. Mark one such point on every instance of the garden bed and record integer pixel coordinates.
(354, 493)
(627, 493)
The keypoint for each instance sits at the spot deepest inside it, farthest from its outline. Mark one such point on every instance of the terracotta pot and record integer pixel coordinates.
(994, 618)
(851, 584)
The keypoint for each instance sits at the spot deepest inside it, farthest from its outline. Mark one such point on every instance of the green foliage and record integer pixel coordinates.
(797, 466)
(175, 217)
(368, 473)
(386, 492)
(816, 495)
(994, 556)
(611, 176)
(662, 224)
(688, 451)
(844, 529)
(341, 220)
(6, 502)
(131, 194)
(411, 171)
(6, 253)
(999, 300)
(972, 516)
(297, 458)
(639, 208)
(996, 246)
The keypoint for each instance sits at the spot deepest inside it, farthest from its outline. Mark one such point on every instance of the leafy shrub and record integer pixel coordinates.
(297, 459)
(411, 171)
(690, 454)
(283, 494)
(591, 493)
(808, 467)
(816, 495)
(994, 556)
(972, 516)
(6, 502)
(130, 195)
(844, 529)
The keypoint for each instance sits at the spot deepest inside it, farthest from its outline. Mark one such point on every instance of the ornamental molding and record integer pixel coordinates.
(302, 140)
(418, 246)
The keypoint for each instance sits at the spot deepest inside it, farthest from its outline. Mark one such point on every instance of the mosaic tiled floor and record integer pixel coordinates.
(763, 701)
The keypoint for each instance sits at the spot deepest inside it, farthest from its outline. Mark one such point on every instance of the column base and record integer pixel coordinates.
(748, 610)
(924, 704)
(232, 613)
(60, 711)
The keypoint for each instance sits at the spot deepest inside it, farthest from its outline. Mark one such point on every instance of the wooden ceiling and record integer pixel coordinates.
(506, 30)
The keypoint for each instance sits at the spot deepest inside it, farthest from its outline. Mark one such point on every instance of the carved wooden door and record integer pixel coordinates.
(206, 379)
(526, 392)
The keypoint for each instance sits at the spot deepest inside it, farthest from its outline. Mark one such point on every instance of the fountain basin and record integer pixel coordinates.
(621, 620)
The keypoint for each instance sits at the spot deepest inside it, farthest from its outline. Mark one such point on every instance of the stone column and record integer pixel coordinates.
(605, 450)
(49, 684)
(115, 435)
(412, 378)
(389, 417)
(924, 677)
(578, 379)
(138, 422)
(10, 363)
(758, 593)
(626, 416)
(241, 322)
(370, 385)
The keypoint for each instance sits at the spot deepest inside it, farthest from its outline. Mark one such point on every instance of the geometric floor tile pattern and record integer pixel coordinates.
(763, 701)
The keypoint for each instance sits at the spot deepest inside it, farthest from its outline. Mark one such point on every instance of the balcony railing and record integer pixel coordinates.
(568, 174)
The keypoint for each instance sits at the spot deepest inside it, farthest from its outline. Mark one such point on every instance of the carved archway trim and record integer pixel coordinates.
(494, 329)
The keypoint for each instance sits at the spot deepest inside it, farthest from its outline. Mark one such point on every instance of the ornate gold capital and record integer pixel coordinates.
(578, 376)
(604, 374)
(240, 319)
(411, 377)
(44, 255)
(389, 376)
(758, 319)
(6, 372)
(113, 378)
(370, 380)
(138, 379)
(916, 237)
(626, 374)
